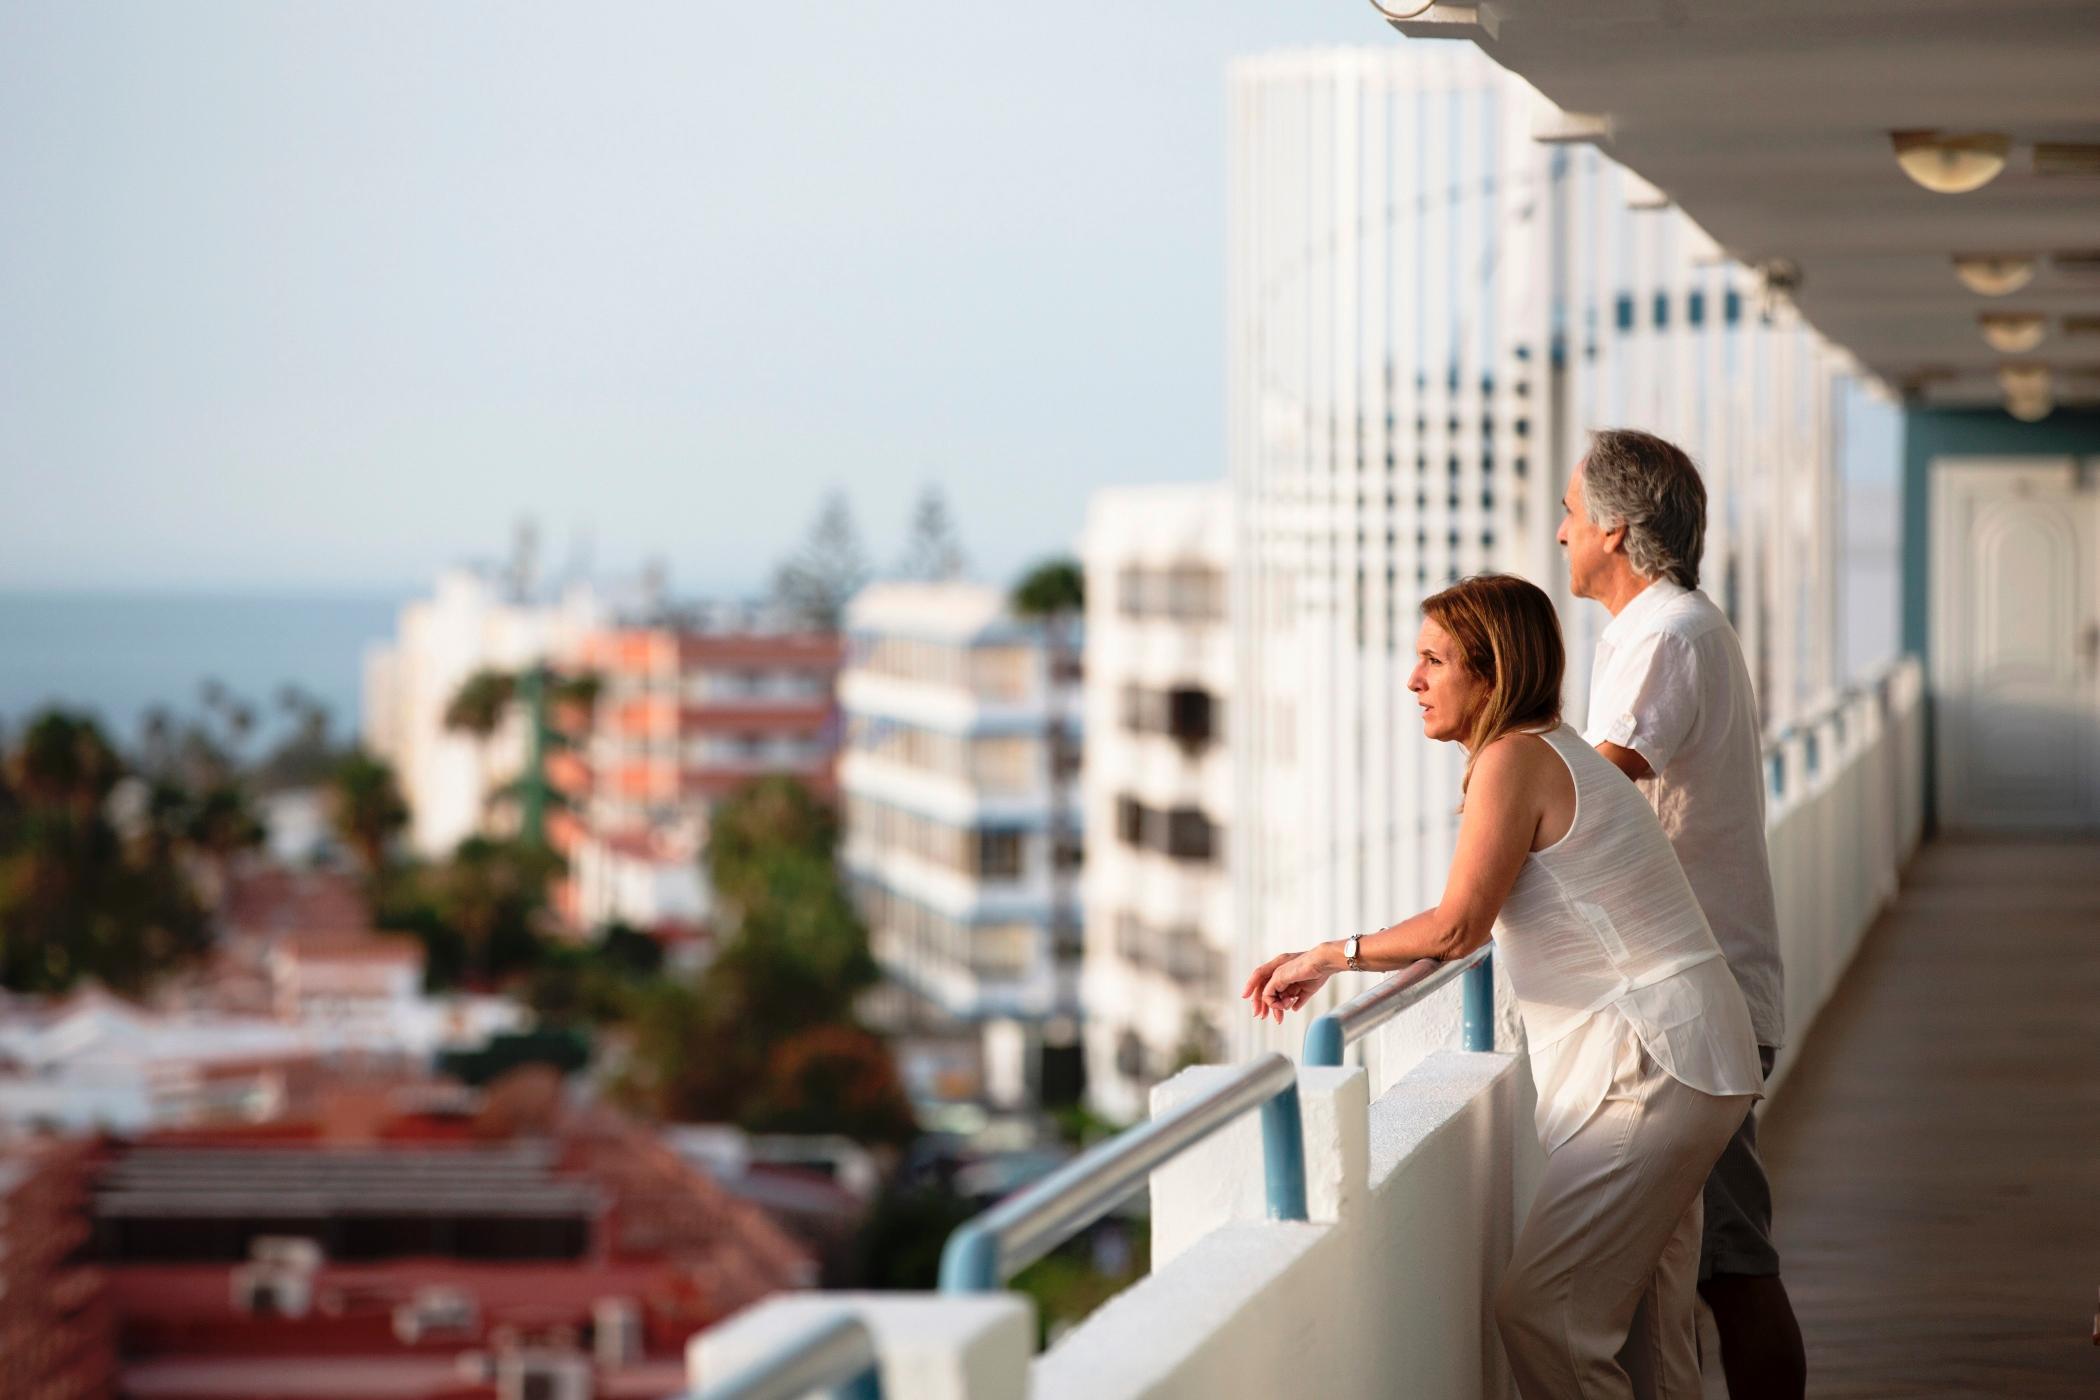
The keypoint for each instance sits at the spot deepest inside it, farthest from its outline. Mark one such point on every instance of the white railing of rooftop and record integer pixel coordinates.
(1846, 809)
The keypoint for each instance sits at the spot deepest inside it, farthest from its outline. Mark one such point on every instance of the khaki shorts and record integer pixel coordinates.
(1736, 1237)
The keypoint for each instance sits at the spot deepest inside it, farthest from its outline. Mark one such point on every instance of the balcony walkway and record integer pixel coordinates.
(1936, 1156)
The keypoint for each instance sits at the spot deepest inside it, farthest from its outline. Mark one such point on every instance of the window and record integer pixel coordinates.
(1130, 591)
(1004, 763)
(1068, 756)
(1002, 950)
(1003, 672)
(1130, 821)
(1189, 715)
(999, 855)
(1189, 592)
(1190, 835)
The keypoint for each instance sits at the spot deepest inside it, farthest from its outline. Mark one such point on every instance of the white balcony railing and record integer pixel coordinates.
(1412, 1196)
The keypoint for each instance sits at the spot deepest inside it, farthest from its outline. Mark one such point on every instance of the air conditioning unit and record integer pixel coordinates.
(272, 1290)
(286, 1251)
(437, 1313)
(616, 1332)
(536, 1374)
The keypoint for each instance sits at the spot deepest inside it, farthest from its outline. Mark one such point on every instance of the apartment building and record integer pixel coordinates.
(961, 761)
(688, 712)
(1435, 288)
(1158, 897)
(473, 621)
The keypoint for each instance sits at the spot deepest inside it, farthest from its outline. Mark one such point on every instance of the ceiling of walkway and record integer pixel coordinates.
(1768, 122)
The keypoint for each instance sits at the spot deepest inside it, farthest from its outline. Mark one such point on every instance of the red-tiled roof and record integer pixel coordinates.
(267, 899)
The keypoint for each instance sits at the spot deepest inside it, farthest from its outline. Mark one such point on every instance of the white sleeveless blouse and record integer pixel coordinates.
(1601, 936)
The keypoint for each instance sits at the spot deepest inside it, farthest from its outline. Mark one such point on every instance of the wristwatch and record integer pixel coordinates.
(1350, 946)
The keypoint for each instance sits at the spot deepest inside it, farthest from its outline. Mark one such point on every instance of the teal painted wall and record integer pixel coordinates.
(1978, 432)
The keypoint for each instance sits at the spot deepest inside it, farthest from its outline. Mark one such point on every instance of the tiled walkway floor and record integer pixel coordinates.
(1936, 1154)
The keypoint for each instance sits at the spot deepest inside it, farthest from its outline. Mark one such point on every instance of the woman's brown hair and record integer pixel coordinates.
(1509, 636)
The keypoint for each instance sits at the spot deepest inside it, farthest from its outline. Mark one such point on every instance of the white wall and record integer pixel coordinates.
(1153, 528)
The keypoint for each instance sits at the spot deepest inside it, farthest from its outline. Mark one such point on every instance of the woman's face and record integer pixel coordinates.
(1448, 693)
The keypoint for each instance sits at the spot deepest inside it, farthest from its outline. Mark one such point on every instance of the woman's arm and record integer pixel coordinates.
(1504, 805)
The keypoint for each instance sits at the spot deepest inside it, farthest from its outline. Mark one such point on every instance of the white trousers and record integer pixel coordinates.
(1616, 1223)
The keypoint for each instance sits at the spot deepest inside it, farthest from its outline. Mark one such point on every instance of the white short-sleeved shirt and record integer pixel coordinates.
(1669, 683)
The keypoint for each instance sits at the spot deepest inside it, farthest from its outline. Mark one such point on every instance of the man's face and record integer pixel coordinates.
(1589, 548)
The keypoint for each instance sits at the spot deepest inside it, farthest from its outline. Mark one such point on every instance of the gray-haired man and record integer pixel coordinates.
(1671, 706)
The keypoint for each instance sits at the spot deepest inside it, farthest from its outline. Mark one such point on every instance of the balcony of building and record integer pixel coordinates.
(1919, 185)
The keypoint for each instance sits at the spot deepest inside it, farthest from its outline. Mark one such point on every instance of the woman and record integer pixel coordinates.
(1640, 1041)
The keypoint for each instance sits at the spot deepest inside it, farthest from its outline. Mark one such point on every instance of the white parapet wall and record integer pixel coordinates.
(929, 1347)
(1413, 1201)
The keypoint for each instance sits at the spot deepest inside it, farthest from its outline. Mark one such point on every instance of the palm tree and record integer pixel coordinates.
(74, 900)
(494, 890)
(1054, 593)
(479, 706)
(368, 809)
(65, 762)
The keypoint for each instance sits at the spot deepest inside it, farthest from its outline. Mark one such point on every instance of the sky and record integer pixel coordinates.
(326, 296)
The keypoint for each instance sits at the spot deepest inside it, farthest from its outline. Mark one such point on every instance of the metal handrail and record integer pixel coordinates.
(983, 1253)
(1327, 1036)
(838, 1353)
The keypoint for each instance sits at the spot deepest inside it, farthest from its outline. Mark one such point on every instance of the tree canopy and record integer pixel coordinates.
(1052, 588)
(817, 581)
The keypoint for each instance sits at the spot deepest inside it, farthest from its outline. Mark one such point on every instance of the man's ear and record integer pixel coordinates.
(1615, 539)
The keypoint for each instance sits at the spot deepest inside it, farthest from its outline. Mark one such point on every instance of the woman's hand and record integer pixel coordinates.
(1285, 981)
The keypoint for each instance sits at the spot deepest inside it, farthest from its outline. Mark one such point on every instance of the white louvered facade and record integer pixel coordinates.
(1427, 308)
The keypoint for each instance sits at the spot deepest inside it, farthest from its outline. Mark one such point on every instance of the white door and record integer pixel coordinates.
(2016, 643)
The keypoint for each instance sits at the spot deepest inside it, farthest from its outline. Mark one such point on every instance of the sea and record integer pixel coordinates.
(120, 654)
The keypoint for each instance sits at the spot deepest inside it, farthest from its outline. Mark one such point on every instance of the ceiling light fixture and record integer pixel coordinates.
(2013, 332)
(2031, 409)
(1993, 274)
(2025, 381)
(1951, 164)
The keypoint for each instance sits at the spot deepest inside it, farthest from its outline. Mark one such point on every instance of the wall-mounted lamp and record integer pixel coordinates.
(1993, 275)
(1948, 164)
(2012, 332)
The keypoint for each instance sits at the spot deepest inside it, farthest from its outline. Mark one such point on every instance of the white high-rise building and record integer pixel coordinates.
(1159, 948)
(950, 788)
(470, 623)
(1429, 305)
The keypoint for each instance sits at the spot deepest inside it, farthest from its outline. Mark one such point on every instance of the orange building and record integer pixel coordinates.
(687, 715)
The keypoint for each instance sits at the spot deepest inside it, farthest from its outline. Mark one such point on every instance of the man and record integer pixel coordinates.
(1671, 706)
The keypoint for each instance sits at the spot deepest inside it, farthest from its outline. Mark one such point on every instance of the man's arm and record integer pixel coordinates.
(1627, 761)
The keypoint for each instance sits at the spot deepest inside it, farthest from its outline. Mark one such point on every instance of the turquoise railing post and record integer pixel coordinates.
(1283, 1153)
(1323, 1042)
(1479, 1018)
(970, 1261)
